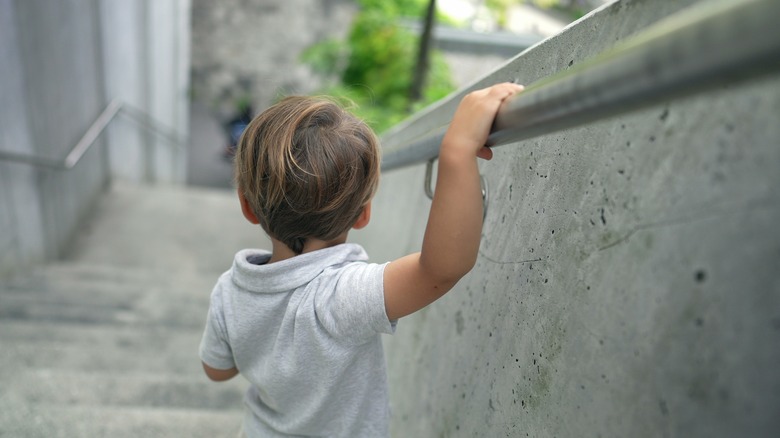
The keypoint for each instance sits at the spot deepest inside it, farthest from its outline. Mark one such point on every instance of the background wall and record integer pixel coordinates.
(52, 90)
(251, 49)
(146, 47)
(63, 62)
(627, 283)
(20, 215)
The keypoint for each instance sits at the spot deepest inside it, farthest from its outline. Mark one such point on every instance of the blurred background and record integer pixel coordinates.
(389, 58)
(627, 280)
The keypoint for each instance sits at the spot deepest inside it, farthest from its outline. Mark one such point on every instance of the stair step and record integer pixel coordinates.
(167, 227)
(105, 343)
(57, 421)
(30, 345)
(54, 386)
(82, 294)
(106, 308)
(73, 277)
(153, 338)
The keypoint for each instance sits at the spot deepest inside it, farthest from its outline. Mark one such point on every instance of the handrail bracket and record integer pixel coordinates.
(428, 186)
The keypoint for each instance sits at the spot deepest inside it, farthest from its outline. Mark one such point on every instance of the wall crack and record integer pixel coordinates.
(695, 217)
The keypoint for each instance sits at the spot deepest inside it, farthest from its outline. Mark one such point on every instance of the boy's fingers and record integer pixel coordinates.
(504, 90)
(510, 86)
(513, 88)
(485, 153)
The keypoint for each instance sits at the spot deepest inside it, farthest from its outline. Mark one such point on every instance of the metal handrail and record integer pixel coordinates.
(100, 124)
(705, 46)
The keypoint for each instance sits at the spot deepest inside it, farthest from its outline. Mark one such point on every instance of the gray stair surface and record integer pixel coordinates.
(104, 343)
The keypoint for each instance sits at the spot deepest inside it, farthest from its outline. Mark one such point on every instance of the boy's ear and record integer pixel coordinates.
(364, 218)
(248, 214)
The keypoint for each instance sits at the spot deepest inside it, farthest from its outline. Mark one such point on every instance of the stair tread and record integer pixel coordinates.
(179, 356)
(75, 276)
(105, 342)
(58, 421)
(58, 386)
(126, 309)
(167, 227)
(156, 337)
(33, 343)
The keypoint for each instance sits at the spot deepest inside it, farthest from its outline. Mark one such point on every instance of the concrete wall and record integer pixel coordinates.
(20, 208)
(628, 282)
(52, 90)
(251, 48)
(62, 63)
(146, 46)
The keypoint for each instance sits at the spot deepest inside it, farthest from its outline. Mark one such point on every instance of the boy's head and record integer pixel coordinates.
(307, 168)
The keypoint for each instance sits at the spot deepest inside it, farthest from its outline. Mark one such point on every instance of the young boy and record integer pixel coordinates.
(302, 323)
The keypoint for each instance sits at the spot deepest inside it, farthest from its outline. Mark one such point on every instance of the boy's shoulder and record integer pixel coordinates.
(343, 293)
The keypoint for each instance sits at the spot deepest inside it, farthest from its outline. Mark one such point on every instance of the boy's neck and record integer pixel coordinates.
(280, 251)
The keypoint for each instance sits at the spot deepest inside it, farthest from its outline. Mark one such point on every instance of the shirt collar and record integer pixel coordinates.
(291, 273)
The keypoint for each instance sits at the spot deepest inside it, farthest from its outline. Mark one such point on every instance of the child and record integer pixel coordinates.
(302, 323)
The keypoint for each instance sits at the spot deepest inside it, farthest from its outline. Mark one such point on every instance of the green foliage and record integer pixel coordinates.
(243, 103)
(381, 57)
(500, 8)
(395, 8)
(374, 66)
(573, 8)
(327, 57)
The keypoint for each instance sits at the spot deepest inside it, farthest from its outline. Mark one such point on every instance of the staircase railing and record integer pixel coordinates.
(114, 108)
(708, 45)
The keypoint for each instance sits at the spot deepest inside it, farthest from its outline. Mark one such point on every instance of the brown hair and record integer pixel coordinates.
(307, 168)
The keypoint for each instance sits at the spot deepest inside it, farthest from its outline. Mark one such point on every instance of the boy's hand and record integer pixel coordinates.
(471, 123)
(451, 241)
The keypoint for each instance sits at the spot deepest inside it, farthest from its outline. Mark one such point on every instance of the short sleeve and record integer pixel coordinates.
(352, 307)
(215, 349)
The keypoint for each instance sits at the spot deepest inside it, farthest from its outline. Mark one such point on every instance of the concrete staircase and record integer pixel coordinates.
(105, 342)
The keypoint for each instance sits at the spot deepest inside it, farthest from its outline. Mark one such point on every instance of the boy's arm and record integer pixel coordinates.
(219, 375)
(452, 236)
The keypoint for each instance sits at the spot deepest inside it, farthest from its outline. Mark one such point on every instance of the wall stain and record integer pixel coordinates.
(459, 322)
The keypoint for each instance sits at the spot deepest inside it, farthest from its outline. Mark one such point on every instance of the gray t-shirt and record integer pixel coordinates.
(305, 332)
